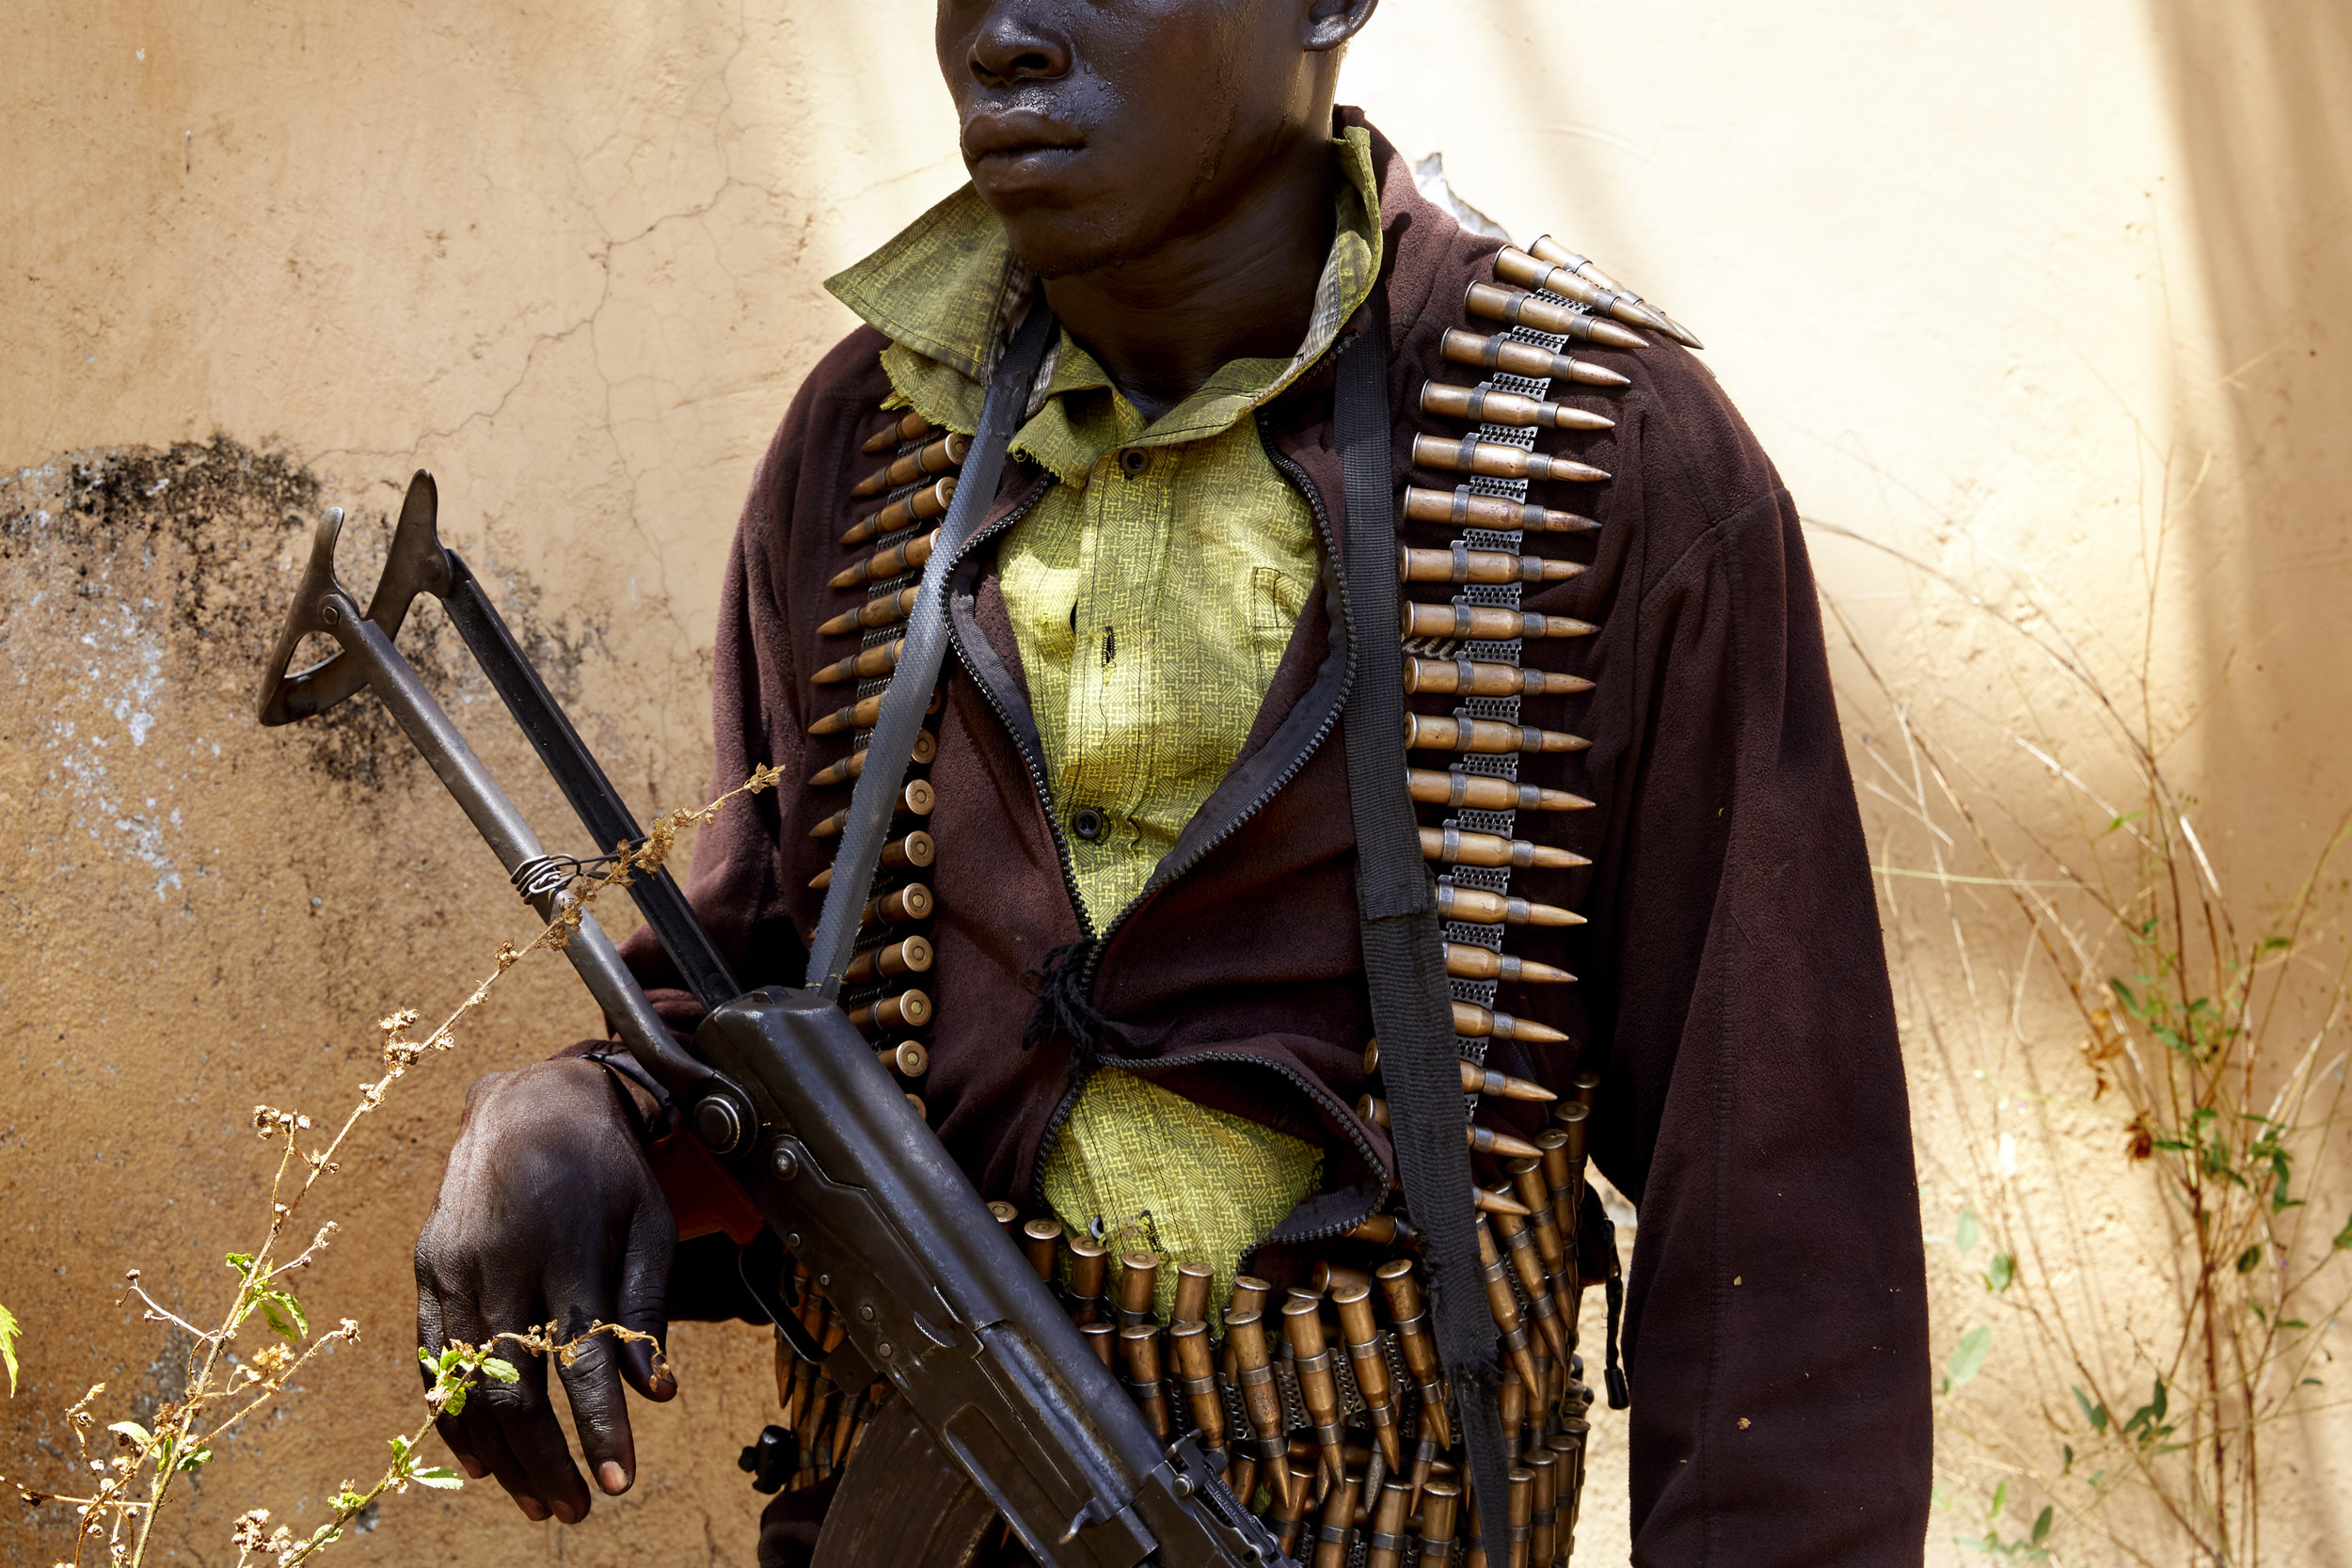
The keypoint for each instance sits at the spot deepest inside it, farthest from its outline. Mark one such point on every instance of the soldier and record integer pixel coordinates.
(1117, 939)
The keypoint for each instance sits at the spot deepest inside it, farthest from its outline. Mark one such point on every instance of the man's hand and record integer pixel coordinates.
(547, 1212)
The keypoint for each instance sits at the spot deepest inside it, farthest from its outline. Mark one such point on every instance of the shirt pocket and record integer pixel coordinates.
(1276, 599)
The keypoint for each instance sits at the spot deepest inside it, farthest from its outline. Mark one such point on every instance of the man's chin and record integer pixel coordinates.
(1061, 243)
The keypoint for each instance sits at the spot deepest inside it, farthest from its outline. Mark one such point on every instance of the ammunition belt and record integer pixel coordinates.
(1362, 1440)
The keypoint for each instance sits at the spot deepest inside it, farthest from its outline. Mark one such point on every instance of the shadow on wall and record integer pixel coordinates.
(2262, 93)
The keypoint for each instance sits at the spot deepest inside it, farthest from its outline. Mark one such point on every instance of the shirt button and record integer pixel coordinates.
(1133, 461)
(1088, 824)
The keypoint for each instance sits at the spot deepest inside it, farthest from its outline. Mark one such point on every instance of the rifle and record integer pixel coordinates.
(788, 1098)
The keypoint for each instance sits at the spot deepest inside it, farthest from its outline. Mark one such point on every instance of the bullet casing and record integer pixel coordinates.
(1362, 1336)
(1499, 460)
(1465, 961)
(1459, 846)
(1188, 1347)
(861, 715)
(908, 956)
(1463, 509)
(880, 660)
(907, 1058)
(1486, 623)
(1517, 307)
(848, 770)
(1550, 250)
(1040, 1242)
(1514, 358)
(916, 798)
(909, 427)
(1468, 677)
(908, 1009)
(920, 506)
(898, 907)
(935, 457)
(883, 611)
(1478, 906)
(1486, 406)
(1425, 731)
(1318, 1386)
(1090, 1272)
(905, 556)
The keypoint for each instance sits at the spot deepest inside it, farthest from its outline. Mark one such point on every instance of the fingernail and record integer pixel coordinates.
(613, 1478)
(566, 1513)
(533, 1510)
(473, 1467)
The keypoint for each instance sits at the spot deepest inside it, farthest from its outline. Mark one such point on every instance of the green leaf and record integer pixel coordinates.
(9, 1331)
(2123, 995)
(1964, 1233)
(2001, 1501)
(2292, 1323)
(453, 1401)
(135, 1432)
(2344, 1237)
(2042, 1524)
(190, 1461)
(498, 1371)
(399, 1454)
(2095, 1414)
(350, 1502)
(1968, 1357)
(2002, 1274)
(2070, 1458)
(440, 1476)
(241, 1262)
(277, 1320)
(2246, 1260)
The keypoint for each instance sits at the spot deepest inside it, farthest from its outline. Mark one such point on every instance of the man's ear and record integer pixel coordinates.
(1331, 22)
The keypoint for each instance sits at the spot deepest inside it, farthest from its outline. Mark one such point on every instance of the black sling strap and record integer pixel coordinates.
(893, 740)
(1404, 947)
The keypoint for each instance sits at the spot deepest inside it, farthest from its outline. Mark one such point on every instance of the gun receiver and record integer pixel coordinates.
(789, 1098)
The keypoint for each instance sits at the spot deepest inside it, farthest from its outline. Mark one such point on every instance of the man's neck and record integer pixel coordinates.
(1241, 286)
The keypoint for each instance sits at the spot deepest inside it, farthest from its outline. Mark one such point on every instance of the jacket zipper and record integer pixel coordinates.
(1345, 1118)
(1034, 766)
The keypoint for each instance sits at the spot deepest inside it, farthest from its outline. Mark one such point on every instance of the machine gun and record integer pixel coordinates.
(1000, 1407)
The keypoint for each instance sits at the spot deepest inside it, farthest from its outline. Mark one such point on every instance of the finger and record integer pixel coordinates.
(481, 1438)
(643, 1303)
(525, 1421)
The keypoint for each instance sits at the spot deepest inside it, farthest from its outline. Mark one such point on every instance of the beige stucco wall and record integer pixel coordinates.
(1974, 272)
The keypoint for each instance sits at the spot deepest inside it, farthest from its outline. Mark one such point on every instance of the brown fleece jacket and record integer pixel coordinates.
(1732, 986)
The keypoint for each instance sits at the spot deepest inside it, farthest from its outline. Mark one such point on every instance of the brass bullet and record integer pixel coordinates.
(1527, 1266)
(1500, 460)
(1503, 1305)
(1192, 1294)
(1522, 1510)
(1262, 1401)
(916, 798)
(848, 767)
(1383, 1538)
(1516, 266)
(1409, 1317)
(1516, 308)
(1318, 1387)
(1362, 1336)
(908, 1009)
(1550, 250)
(1465, 961)
(915, 849)
(909, 955)
(1476, 1022)
(882, 565)
(1480, 792)
(1188, 1347)
(1476, 1079)
(1139, 1347)
(861, 715)
(937, 457)
(1249, 1295)
(1563, 1181)
(919, 507)
(1569, 1444)
(1483, 736)
(1291, 1487)
(1459, 846)
(1482, 908)
(1544, 1518)
(1513, 1413)
(1138, 1277)
(907, 1058)
(910, 426)
(1464, 564)
(1004, 1214)
(1465, 510)
(1040, 1241)
(1483, 1140)
(1337, 1528)
(1101, 1338)
(1482, 622)
(1440, 1504)
(1527, 1176)
(1329, 1276)
(888, 610)
(1514, 358)
(880, 660)
(898, 907)
(1484, 406)
(1585, 1086)
(1493, 1203)
(1389, 1230)
(1468, 677)
(1090, 1272)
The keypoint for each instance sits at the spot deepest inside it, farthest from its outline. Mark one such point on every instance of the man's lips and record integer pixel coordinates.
(1007, 137)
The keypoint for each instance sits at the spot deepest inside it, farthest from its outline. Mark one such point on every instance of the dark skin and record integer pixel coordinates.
(1164, 165)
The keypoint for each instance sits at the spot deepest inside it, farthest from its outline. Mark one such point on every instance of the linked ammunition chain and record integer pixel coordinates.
(1326, 1409)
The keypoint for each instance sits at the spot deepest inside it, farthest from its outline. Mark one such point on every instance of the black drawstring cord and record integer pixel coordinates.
(1064, 1011)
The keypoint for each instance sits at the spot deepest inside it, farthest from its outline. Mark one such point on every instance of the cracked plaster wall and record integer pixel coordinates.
(1971, 271)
